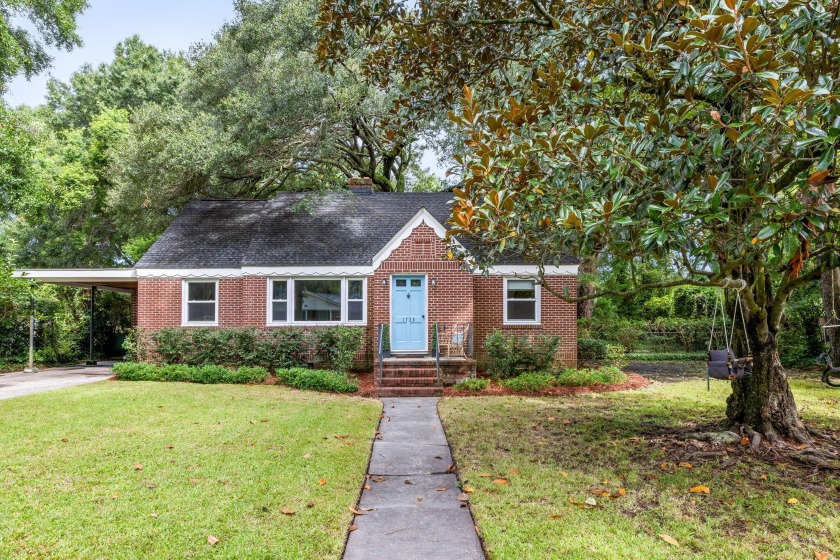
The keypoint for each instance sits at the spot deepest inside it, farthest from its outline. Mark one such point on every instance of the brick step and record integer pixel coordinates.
(409, 372)
(409, 363)
(410, 392)
(409, 381)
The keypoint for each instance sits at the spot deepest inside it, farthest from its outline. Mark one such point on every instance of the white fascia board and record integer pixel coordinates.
(77, 275)
(276, 271)
(422, 216)
(530, 270)
(189, 272)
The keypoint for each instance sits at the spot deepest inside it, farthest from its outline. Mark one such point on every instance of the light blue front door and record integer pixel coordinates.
(408, 313)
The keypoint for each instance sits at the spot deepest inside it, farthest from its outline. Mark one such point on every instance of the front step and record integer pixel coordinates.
(410, 392)
(409, 381)
(409, 376)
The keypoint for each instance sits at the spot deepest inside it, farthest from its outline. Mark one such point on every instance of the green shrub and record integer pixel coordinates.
(591, 349)
(585, 377)
(317, 380)
(282, 348)
(172, 345)
(627, 334)
(135, 345)
(667, 356)
(336, 347)
(509, 355)
(658, 306)
(134, 371)
(472, 384)
(533, 381)
(616, 356)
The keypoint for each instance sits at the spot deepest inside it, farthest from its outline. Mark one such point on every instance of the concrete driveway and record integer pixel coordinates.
(16, 384)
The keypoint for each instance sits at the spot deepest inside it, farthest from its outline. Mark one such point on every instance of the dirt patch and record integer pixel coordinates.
(668, 372)
(634, 381)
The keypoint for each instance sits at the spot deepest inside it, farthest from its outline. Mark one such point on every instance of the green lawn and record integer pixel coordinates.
(567, 448)
(217, 460)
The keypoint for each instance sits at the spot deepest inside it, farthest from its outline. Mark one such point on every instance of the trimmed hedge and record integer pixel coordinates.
(317, 380)
(282, 348)
(509, 355)
(532, 381)
(209, 374)
(586, 377)
(472, 384)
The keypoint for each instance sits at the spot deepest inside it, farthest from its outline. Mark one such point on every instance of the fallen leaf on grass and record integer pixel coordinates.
(669, 539)
(590, 502)
(469, 489)
(745, 441)
(310, 504)
(253, 421)
(154, 515)
(801, 446)
(170, 446)
(728, 502)
(151, 485)
(285, 511)
(820, 555)
(322, 481)
(356, 511)
(551, 418)
(564, 473)
(486, 475)
(65, 440)
(307, 456)
(211, 539)
(793, 501)
(700, 489)
(138, 467)
(685, 465)
(514, 471)
(462, 497)
(452, 467)
(194, 480)
(566, 421)
(554, 516)
(501, 482)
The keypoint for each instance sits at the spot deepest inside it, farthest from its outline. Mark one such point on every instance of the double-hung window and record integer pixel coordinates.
(522, 301)
(316, 300)
(200, 302)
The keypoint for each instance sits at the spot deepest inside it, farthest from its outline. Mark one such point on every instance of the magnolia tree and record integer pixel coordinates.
(703, 131)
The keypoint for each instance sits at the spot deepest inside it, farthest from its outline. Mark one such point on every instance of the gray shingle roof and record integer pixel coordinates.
(295, 229)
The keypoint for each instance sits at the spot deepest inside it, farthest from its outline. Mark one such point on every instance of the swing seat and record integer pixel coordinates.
(722, 365)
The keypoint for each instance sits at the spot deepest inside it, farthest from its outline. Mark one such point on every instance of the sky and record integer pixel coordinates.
(167, 24)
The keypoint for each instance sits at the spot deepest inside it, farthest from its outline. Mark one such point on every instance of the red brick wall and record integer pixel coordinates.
(457, 297)
(450, 300)
(556, 316)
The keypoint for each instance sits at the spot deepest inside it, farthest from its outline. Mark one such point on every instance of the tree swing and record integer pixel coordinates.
(722, 364)
(831, 375)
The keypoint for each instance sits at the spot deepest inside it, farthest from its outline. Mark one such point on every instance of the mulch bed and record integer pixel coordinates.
(634, 381)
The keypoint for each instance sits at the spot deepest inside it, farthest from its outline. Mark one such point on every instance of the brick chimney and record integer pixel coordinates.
(360, 185)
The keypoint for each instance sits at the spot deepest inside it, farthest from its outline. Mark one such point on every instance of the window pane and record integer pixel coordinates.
(354, 289)
(415, 282)
(354, 311)
(400, 283)
(278, 311)
(201, 312)
(279, 290)
(201, 291)
(521, 310)
(317, 300)
(521, 289)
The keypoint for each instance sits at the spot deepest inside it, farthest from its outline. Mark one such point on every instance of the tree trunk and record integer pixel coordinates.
(586, 286)
(764, 401)
(831, 307)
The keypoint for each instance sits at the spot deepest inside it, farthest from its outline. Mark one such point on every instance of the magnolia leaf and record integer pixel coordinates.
(700, 490)
(501, 482)
(669, 539)
(287, 511)
(212, 540)
(792, 501)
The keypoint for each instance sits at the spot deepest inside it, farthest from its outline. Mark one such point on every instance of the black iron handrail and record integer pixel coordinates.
(380, 335)
(437, 352)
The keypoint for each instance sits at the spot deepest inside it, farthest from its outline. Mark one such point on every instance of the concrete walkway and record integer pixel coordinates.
(411, 519)
(16, 384)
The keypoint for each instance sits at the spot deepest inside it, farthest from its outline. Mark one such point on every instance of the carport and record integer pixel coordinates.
(93, 279)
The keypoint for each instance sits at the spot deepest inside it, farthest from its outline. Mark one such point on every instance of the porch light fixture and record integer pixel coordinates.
(384, 282)
(434, 282)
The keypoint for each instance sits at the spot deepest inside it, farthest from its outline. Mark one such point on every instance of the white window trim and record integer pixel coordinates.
(537, 304)
(185, 292)
(290, 302)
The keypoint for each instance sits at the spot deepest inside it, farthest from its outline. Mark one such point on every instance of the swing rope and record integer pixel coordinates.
(739, 305)
(834, 318)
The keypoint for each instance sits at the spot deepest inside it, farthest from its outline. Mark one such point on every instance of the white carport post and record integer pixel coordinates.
(31, 367)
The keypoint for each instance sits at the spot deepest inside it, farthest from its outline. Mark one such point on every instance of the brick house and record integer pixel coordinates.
(362, 258)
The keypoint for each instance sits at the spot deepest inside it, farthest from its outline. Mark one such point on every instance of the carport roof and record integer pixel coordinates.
(113, 279)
